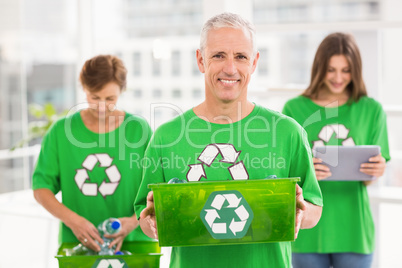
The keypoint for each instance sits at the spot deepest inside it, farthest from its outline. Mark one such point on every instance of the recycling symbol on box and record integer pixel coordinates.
(110, 263)
(229, 155)
(227, 215)
(91, 189)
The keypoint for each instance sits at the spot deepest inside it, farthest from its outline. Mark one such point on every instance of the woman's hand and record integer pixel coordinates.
(321, 170)
(85, 232)
(83, 229)
(375, 167)
(128, 224)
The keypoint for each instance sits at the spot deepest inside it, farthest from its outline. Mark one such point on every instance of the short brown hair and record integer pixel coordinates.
(101, 70)
(337, 44)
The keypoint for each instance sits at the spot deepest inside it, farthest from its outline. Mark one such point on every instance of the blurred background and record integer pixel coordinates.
(44, 43)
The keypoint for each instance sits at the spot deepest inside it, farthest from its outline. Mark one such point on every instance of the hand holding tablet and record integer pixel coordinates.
(345, 162)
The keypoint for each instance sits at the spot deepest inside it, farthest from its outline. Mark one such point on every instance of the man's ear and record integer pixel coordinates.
(256, 57)
(200, 61)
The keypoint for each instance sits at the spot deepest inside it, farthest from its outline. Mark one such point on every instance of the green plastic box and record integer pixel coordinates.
(145, 254)
(225, 212)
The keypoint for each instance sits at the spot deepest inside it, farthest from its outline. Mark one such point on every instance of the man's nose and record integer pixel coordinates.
(230, 67)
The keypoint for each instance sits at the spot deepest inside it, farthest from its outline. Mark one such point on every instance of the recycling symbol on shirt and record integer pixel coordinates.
(90, 188)
(329, 130)
(227, 215)
(229, 155)
(110, 263)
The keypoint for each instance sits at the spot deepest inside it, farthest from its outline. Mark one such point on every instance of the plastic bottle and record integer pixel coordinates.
(122, 252)
(81, 250)
(109, 226)
(105, 250)
(176, 180)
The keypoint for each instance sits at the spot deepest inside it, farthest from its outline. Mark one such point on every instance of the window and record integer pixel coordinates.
(137, 93)
(157, 93)
(156, 67)
(176, 93)
(197, 94)
(263, 62)
(136, 64)
(176, 63)
(46, 71)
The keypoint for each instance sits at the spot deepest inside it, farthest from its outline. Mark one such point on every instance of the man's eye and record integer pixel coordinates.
(217, 56)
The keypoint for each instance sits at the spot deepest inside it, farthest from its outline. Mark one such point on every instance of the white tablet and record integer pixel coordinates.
(344, 161)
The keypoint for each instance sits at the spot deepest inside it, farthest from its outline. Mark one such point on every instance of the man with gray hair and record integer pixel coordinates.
(228, 57)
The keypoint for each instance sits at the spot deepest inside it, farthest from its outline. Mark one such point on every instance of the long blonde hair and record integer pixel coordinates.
(337, 44)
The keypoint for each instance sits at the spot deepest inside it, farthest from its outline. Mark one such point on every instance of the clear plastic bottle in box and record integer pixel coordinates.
(109, 226)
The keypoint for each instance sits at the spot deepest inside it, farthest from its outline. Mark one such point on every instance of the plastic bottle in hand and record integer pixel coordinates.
(109, 226)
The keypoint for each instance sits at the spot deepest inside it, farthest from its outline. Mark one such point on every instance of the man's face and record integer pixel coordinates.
(227, 63)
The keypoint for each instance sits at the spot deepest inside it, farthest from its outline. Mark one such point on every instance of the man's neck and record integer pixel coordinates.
(224, 113)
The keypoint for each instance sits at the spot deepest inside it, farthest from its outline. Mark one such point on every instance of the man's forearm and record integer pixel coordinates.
(311, 216)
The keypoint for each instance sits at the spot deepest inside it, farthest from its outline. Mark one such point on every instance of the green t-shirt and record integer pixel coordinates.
(346, 224)
(98, 174)
(265, 143)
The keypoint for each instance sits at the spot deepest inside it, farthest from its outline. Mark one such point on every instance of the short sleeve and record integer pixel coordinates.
(152, 173)
(302, 166)
(47, 170)
(286, 109)
(380, 133)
